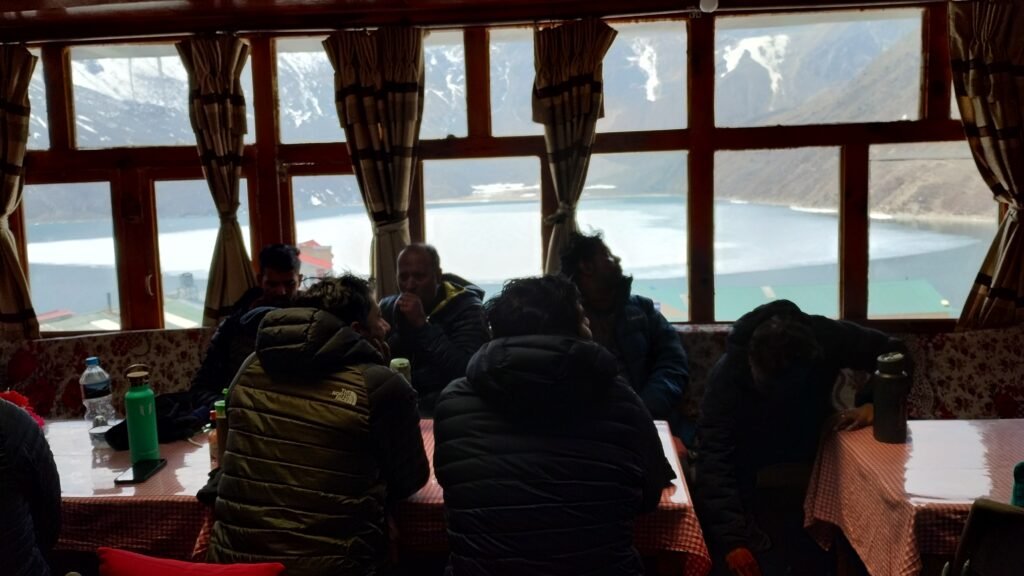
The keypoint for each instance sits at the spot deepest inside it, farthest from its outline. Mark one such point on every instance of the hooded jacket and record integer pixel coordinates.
(321, 439)
(545, 457)
(439, 350)
(742, 429)
(29, 494)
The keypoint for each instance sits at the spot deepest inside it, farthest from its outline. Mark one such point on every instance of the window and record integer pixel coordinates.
(813, 68)
(776, 230)
(332, 228)
(638, 201)
(645, 78)
(38, 125)
(72, 264)
(512, 72)
(305, 91)
(187, 221)
(932, 222)
(444, 105)
(136, 95)
(483, 216)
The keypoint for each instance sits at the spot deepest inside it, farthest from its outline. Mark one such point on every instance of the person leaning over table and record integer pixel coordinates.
(545, 454)
(322, 440)
(765, 405)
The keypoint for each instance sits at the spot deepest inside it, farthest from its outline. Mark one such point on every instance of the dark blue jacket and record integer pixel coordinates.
(546, 456)
(742, 430)
(655, 362)
(29, 495)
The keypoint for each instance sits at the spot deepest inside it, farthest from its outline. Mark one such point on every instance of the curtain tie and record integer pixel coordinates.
(564, 212)
(5, 224)
(389, 227)
(228, 219)
(1013, 213)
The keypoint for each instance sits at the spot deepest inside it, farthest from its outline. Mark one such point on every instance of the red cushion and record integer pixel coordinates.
(115, 562)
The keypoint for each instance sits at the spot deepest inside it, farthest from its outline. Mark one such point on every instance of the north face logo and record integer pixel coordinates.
(345, 397)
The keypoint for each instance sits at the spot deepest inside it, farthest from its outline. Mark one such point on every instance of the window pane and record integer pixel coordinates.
(645, 78)
(38, 125)
(331, 225)
(639, 201)
(483, 216)
(187, 222)
(444, 106)
(305, 91)
(776, 230)
(512, 75)
(72, 268)
(932, 221)
(814, 68)
(136, 95)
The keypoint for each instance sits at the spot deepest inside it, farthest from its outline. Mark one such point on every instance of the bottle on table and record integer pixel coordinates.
(403, 367)
(140, 411)
(213, 440)
(221, 414)
(890, 388)
(99, 409)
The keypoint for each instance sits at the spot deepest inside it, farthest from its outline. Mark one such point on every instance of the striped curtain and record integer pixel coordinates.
(987, 50)
(568, 98)
(378, 82)
(17, 318)
(217, 111)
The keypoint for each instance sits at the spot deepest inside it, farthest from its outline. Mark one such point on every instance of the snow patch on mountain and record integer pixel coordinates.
(645, 57)
(768, 51)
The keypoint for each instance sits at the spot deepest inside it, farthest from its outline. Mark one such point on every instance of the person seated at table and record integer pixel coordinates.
(544, 453)
(323, 438)
(29, 494)
(646, 347)
(764, 408)
(437, 322)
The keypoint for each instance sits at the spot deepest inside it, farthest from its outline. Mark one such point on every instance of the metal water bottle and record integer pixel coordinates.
(890, 386)
(1017, 498)
(140, 411)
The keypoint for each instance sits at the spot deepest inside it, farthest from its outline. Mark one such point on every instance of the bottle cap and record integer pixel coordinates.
(213, 416)
(221, 408)
(92, 361)
(891, 363)
(399, 364)
(138, 375)
(1018, 472)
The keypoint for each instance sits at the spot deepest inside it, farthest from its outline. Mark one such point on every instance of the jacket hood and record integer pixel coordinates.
(744, 328)
(459, 282)
(307, 340)
(539, 375)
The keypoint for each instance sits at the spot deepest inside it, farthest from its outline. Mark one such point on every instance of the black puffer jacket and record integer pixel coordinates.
(742, 430)
(29, 495)
(440, 350)
(231, 344)
(321, 439)
(545, 457)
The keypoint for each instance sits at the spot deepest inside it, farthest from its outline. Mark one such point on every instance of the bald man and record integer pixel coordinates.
(437, 322)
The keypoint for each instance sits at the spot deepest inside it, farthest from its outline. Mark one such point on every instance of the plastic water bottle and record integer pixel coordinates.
(99, 410)
(140, 411)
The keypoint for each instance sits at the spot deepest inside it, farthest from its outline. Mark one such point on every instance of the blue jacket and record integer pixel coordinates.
(655, 361)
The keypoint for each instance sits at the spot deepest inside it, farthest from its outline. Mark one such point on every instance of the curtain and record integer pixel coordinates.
(378, 82)
(17, 318)
(568, 98)
(217, 110)
(987, 52)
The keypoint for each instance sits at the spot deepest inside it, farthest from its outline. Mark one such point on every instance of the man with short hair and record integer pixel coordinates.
(648, 350)
(545, 454)
(323, 439)
(762, 415)
(235, 338)
(437, 322)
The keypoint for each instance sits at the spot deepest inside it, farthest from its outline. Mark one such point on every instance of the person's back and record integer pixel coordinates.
(29, 494)
(545, 456)
(322, 438)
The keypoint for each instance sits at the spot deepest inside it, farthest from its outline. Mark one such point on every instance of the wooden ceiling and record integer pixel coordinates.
(55, 20)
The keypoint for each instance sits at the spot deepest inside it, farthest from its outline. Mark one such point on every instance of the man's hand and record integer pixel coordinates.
(741, 562)
(855, 418)
(411, 307)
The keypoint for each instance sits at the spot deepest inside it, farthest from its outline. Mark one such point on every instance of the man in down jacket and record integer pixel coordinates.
(545, 455)
(322, 438)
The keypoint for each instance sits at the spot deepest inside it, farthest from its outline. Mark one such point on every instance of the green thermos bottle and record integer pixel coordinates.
(140, 411)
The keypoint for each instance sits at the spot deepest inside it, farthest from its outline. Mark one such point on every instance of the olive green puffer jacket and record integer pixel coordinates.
(321, 438)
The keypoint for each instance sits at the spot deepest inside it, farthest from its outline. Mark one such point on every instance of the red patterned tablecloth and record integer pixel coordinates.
(160, 516)
(896, 502)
